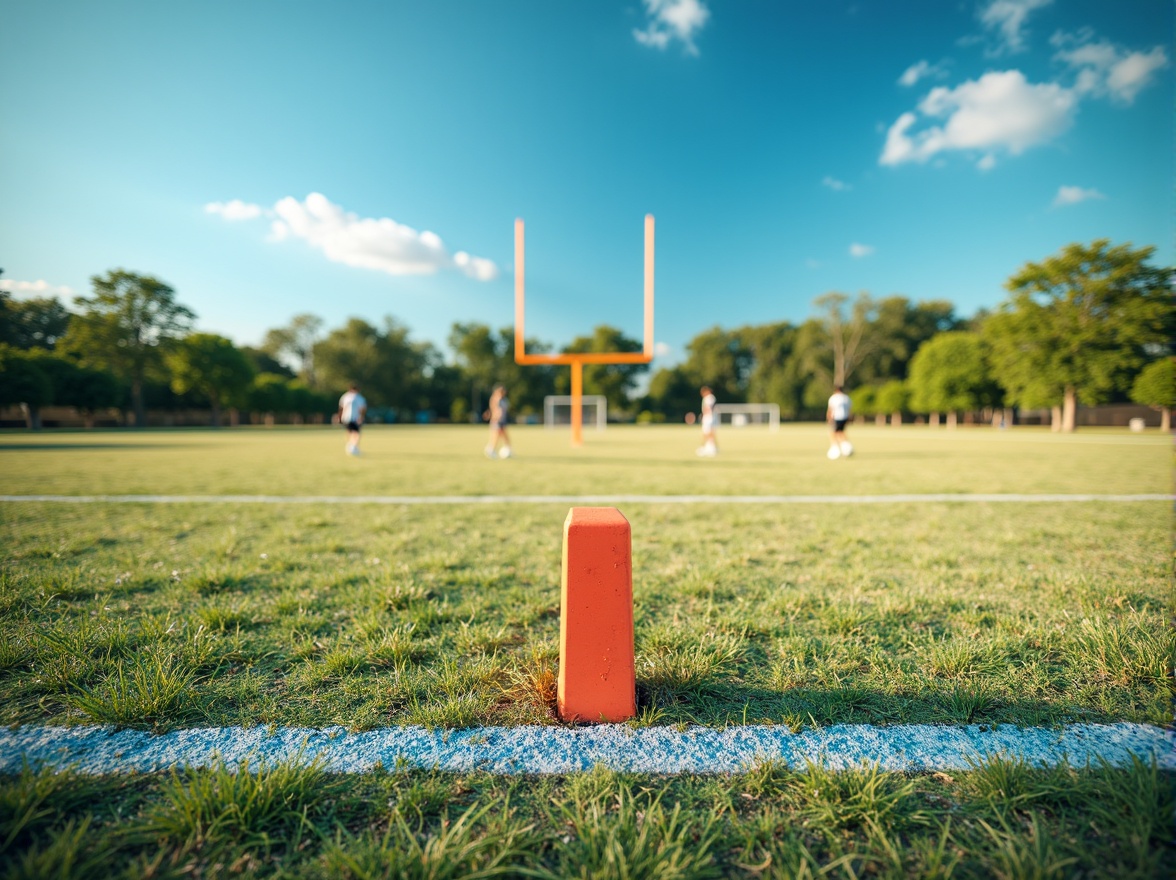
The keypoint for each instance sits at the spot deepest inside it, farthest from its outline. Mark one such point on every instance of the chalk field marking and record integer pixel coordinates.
(580, 499)
(544, 750)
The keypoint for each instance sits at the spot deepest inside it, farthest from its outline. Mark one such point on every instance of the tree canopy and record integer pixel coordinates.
(1079, 325)
(123, 328)
(949, 373)
(213, 366)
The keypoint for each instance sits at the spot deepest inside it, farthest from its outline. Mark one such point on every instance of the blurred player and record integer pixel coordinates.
(837, 414)
(352, 410)
(709, 448)
(498, 414)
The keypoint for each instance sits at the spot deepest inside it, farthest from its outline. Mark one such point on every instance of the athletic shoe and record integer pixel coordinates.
(489, 453)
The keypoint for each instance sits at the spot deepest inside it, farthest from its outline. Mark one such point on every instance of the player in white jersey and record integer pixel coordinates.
(837, 414)
(709, 448)
(352, 410)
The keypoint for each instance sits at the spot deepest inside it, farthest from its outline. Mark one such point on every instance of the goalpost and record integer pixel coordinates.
(551, 401)
(743, 414)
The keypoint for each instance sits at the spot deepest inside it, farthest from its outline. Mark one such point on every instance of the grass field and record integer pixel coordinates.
(169, 616)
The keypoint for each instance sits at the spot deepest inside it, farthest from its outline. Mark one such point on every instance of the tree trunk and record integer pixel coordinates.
(896, 418)
(1055, 418)
(234, 417)
(88, 418)
(952, 420)
(1069, 410)
(32, 415)
(933, 420)
(137, 402)
(1166, 419)
(269, 420)
(880, 419)
(969, 418)
(1008, 417)
(216, 419)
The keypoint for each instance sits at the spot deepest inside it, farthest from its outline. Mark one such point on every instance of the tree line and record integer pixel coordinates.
(1090, 324)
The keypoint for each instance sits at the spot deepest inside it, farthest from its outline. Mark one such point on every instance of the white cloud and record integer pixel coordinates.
(920, 70)
(667, 20)
(987, 162)
(1001, 110)
(1072, 195)
(366, 243)
(1007, 19)
(662, 349)
(35, 288)
(857, 251)
(234, 210)
(1102, 68)
(836, 185)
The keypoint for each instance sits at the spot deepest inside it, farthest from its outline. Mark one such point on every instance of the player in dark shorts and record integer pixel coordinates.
(837, 415)
(352, 409)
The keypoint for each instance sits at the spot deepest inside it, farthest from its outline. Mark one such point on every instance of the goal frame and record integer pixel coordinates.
(772, 409)
(552, 400)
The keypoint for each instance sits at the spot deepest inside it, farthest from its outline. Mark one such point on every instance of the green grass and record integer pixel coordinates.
(998, 820)
(167, 616)
(446, 460)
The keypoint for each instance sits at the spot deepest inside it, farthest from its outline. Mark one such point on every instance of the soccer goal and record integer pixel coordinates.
(557, 409)
(744, 414)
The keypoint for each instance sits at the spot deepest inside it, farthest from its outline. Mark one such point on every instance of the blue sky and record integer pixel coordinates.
(270, 158)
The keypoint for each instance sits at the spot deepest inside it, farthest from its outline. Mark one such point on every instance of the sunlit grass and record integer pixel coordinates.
(372, 615)
(369, 616)
(447, 460)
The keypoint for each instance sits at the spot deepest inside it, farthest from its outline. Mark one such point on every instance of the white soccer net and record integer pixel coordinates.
(557, 410)
(740, 415)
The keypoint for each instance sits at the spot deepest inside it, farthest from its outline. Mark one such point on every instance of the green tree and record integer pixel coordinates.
(269, 394)
(32, 323)
(213, 366)
(723, 360)
(847, 336)
(1079, 325)
(124, 328)
(864, 400)
(23, 383)
(949, 373)
(297, 341)
(777, 375)
(891, 397)
(1155, 386)
(391, 369)
(898, 329)
(263, 362)
(672, 393)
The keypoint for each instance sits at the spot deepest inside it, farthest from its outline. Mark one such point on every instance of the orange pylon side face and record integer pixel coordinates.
(597, 675)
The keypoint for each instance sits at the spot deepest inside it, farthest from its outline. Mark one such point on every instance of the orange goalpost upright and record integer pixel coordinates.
(577, 359)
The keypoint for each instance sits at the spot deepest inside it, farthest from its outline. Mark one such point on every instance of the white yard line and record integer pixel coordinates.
(581, 499)
(544, 750)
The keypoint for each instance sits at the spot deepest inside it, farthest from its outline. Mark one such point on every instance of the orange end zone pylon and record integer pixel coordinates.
(597, 678)
(578, 359)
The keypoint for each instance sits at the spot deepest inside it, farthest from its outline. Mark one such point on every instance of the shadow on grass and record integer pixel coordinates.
(730, 702)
